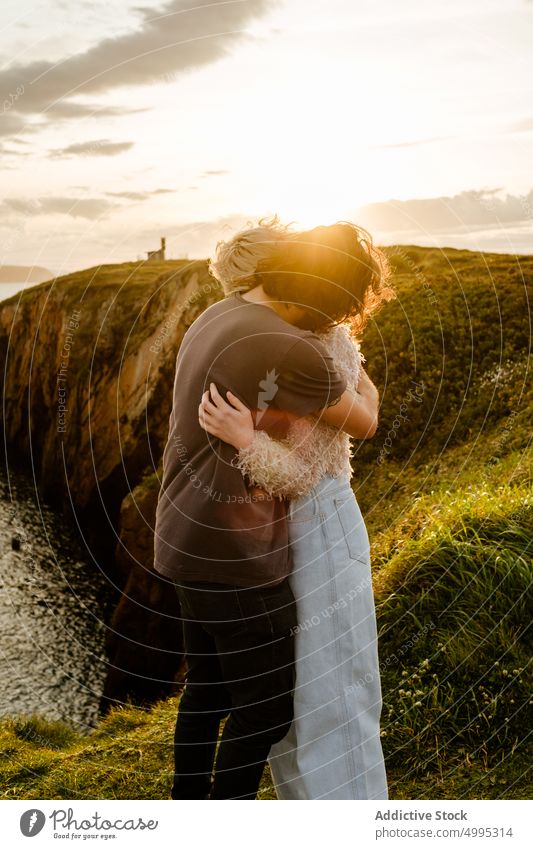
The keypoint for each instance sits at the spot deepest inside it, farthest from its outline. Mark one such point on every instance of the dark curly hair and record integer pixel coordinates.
(334, 272)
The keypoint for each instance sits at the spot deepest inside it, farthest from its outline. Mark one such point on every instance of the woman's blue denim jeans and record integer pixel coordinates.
(333, 748)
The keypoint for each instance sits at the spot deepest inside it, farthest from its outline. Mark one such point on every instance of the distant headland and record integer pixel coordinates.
(24, 274)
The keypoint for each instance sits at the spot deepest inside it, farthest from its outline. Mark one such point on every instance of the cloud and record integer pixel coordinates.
(139, 196)
(90, 208)
(97, 147)
(524, 126)
(413, 143)
(181, 36)
(214, 173)
(197, 238)
(129, 195)
(74, 109)
(492, 223)
(8, 151)
(12, 124)
(482, 209)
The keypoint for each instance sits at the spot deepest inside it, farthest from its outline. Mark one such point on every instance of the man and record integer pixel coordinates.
(225, 546)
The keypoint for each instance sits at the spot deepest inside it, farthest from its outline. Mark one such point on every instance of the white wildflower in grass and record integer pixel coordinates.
(499, 374)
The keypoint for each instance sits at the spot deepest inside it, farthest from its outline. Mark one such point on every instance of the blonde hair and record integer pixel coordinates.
(234, 262)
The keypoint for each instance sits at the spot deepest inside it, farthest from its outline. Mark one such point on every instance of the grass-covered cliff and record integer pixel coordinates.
(445, 487)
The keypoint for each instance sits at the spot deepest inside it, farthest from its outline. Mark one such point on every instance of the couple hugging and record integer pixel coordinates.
(258, 528)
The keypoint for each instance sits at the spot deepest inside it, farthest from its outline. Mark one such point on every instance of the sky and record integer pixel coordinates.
(122, 122)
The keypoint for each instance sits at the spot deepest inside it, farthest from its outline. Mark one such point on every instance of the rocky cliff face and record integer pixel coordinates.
(88, 368)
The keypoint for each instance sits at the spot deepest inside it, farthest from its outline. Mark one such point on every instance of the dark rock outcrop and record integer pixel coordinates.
(144, 639)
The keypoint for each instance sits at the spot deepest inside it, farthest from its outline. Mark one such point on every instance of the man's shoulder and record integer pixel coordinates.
(206, 317)
(245, 320)
(305, 342)
(223, 305)
(252, 318)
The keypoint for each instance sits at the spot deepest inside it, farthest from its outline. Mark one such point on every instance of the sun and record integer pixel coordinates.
(305, 206)
(312, 187)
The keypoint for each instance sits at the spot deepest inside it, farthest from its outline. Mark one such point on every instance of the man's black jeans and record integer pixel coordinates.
(240, 654)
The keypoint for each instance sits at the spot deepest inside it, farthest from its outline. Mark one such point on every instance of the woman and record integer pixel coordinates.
(333, 748)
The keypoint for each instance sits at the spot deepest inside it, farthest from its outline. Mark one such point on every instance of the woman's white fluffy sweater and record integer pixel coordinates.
(291, 467)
